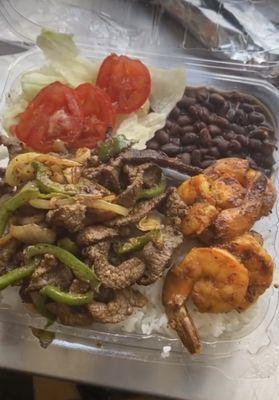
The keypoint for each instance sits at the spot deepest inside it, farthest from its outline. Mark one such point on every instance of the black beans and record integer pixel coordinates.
(174, 114)
(255, 144)
(186, 158)
(188, 128)
(246, 107)
(184, 120)
(256, 117)
(206, 125)
(199, 126)
(214, 130)
(235, 145)
(153, 145)
(162, 137)
(186, 102)
(205, 137)
(171, 149)
(217, 99)
(206, 163)
(243, 140)
(196, 157)
(189, 138)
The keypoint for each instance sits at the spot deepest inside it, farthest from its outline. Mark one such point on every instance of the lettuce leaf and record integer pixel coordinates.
(65, 64)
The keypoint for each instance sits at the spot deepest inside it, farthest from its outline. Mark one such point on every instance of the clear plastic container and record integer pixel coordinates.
(248, 353)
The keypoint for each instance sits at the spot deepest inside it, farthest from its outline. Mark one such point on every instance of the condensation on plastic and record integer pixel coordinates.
(252, 352)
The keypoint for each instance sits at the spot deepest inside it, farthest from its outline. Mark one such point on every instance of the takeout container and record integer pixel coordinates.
(249, 353)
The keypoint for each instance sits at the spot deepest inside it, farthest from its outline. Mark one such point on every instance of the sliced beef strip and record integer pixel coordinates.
(94, 234)
(134, 156)
(115, 277)
(72, 316)
(175, 208)
(107, 175)
(79, 287)
(95, 188)
(139, 177)
(71, 217)
(4, 187)
(50, 272)
(141, 209)
(8, 259)
(13, 145)
(117, 309)
(158, 259)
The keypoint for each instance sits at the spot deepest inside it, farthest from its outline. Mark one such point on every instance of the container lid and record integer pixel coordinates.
(150, 26)
(118, 23)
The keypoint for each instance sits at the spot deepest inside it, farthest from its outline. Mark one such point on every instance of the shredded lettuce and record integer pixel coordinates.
(65, 64)
(167, 89)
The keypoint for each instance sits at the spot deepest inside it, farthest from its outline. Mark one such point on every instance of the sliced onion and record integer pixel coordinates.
(106, 206)
(20, 169)
(5, 239)
(149, 223)
(32, 234)
(72, 174)
(82, 155)
(31, 219)
(42, 204)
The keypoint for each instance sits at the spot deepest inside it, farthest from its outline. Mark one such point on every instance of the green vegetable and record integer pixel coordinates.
(17, 274)
(45, 184)
(71, 299)
(39, 302)
(113, 146)
(152, 192)
(67, 244)
(137, 243)
(8, 207)
(64, 64)
(80, 270)
(45, 337)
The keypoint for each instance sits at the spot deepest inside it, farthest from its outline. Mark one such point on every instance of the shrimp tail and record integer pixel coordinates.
(181, 321)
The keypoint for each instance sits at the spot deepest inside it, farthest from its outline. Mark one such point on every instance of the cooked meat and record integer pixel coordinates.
(138, 212)
(7, 256)
(107, 175)
(72, 316)
(157, 259)
(70, 217)
(87, 186)
(115, 277)
(4, 187)
(79, 287)
(50, 272)
(12, 143)
(134, 156)
(117, 309)
(176, 209)
(139, 177)
(94, 234)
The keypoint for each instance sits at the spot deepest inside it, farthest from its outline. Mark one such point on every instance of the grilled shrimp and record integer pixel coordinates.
(226, 200)
(214, 279)
(240, 170)
(247, 248)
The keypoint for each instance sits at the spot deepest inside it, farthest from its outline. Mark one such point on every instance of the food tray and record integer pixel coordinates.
(256, 347)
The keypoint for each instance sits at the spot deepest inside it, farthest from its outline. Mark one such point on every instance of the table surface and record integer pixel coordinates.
(68, 360)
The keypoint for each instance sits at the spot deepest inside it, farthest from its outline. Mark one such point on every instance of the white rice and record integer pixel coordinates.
(152, 318)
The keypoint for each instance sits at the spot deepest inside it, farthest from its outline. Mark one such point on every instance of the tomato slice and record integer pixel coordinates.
(126, 81)
(53, 114)
(98, 113)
